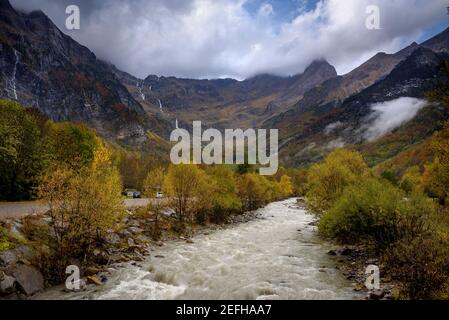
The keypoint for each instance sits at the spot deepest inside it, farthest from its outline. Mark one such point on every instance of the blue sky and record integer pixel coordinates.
(242, 38)
(284, 10)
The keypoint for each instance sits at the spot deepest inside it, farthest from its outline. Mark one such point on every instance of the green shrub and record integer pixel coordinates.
(327, 180)
(411, 181)
(421, 265)
(5, 243)
(20, 152)
(376, 212)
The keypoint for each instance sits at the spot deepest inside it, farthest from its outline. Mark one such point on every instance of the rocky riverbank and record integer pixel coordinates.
(353, 261)
(22, 269)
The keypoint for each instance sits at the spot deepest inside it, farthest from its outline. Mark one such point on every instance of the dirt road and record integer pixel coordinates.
(18, 210)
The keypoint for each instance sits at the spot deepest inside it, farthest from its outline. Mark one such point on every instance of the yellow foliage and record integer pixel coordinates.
(83, 204)
(184, 184)
(327, 180)
(154, 182)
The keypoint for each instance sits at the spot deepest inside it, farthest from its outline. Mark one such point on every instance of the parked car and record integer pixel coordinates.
(159, 195)
(137, 195)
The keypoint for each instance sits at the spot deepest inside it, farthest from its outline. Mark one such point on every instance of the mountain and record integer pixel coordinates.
(225, 103)
(439, 43)
(310, 132)
(43, 68)
(315, 111)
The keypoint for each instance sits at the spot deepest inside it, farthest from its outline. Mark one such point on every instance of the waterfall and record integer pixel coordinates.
(160, 105)
(142, 95)
(12, 81)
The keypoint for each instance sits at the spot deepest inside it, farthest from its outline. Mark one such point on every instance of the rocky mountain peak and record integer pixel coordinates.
(439, 43)
(5, 5)
(320, 66)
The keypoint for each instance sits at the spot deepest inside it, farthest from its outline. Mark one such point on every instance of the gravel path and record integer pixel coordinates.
(17, 210)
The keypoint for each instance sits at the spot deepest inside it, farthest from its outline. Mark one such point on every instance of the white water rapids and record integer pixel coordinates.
(276, 256)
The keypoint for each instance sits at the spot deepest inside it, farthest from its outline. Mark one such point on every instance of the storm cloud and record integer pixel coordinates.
(223, 38)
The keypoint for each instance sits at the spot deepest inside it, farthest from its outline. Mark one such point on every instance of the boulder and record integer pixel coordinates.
(7, 285)
(134, 223)
(112, 238)
(332, 253)
(125, 233)
(94, 280)
(376, 295)
(7, 258)
(25, 252)
(29, 279)
(135, 230)
(346, 251)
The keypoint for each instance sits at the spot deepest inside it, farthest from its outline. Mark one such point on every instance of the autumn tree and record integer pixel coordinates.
(436, 175)
(327, 180)
(222, 193)
(70, 145)
(184, 185)
(83, 204)
(20, 152)
(411, 181)
(154, 182)
(286, 186)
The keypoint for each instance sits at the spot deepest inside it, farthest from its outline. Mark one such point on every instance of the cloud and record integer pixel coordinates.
(220, 38)
(333, 127)
(266, 10)
(390, 115)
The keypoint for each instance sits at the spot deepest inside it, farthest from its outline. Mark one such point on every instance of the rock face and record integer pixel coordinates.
(225, 102)
(41, 67)
(29, 279)
(7, 285)
(7, 258)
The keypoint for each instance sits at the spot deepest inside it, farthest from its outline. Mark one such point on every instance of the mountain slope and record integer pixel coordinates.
(225, 102)
(309, 133)
(41, 67)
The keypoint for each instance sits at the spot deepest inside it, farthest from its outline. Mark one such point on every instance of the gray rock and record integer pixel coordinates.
(7, 258)
(376, 295)
(29, 279)
(25, 252)
(332, 253)
(7, 285)
(346, 251)
(134, 223)
(142, 238)
(112, 238)
(135, 230)
(125, 233)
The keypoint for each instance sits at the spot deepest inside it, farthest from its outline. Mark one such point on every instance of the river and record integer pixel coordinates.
(276, 256)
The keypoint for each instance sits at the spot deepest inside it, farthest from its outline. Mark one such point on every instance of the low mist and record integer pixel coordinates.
(390, 115)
